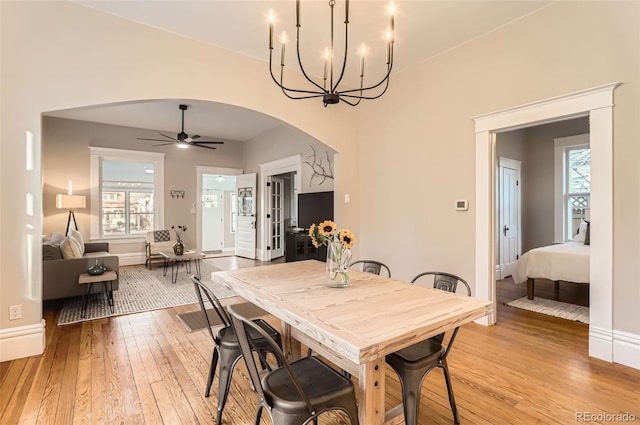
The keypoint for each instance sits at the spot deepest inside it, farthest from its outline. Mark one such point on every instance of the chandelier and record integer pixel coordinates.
(329, 89)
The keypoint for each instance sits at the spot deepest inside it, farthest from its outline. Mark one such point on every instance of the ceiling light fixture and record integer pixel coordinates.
(329, 90)
(182, 145)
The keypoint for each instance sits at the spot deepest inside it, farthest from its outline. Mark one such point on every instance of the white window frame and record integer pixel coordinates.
(561, 146)
(97, 155)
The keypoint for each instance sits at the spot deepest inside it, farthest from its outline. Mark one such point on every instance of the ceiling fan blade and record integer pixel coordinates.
(168, 137)
(195, 136)
(203, 146)
(164, 144)
(153, 140)
(208, 142)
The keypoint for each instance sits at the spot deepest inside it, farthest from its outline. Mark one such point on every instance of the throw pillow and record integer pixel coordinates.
(161, 236)
(56, 238)
(70, 248)
(582, 232)
(77, 236)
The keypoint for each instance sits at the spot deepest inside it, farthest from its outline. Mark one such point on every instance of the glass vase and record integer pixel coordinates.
(178, 248)
(338, 260)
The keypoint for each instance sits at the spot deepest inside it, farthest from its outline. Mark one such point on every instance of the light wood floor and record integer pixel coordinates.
(147, 369)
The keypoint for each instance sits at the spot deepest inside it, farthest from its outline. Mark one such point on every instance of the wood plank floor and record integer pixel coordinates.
(147, 369)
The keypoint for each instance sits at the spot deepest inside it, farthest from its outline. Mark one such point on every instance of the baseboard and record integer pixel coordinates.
(132, 258)
(601, 343)
(626, 349)
(22, 341)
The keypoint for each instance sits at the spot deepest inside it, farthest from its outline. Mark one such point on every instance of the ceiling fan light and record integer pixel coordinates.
(182, 145)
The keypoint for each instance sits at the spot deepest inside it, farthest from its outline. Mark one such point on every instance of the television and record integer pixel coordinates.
(314, 208)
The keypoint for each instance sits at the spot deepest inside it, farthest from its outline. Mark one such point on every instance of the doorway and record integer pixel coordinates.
(509, 216)
(596, 103)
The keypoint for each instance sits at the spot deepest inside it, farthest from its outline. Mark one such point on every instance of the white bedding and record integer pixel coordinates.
(568, 262)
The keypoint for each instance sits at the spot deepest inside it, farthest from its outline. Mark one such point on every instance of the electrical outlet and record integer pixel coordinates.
(15, 312)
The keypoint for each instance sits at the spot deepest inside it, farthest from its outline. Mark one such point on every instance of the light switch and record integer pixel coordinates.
(346, 198)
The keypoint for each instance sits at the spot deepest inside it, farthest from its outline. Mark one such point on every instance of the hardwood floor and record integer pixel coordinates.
(147, 369)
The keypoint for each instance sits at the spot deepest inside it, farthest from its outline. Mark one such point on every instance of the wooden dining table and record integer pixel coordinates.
(353, 327)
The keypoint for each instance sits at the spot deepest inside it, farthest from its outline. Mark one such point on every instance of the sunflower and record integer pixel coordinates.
(347, 238)
(327, 228)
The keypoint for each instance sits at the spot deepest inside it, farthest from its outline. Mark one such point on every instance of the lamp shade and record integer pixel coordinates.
(70, 202)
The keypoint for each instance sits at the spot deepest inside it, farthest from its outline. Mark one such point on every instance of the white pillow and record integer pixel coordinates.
(582, 232)
(77, 236)
(69, 248)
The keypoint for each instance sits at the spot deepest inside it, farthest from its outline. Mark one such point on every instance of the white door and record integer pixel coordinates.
(275, 218)
(246, 217)
(509, 216)
(212, 220)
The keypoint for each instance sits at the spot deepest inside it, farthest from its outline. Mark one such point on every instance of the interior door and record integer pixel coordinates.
(509, 217)
(246, 217)
(212, 220)
(276, 216)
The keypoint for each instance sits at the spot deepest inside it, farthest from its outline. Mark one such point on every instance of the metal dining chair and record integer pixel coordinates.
(226, 347)
(371, 266)
(294, 393)
(413, 363)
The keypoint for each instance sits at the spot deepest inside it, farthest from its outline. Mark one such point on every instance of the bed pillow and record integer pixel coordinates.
(582, 233)
(587, 234)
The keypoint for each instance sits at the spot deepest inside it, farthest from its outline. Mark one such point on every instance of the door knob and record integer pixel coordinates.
(505, 230)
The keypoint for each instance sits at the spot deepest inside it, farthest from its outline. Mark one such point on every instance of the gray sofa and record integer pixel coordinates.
(60, 276)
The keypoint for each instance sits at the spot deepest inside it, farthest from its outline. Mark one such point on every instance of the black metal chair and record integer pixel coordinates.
(295, 393)
(413, 363)
(371, 266)
(227, 349)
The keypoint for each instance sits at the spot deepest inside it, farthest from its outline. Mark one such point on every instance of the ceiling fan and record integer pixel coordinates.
(183, 139)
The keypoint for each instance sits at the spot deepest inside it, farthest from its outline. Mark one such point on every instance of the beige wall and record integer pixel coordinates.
(417, 144)
(404, 158)
(71, 56)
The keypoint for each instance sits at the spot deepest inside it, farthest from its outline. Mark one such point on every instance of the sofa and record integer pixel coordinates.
(158, 240)
(60, 268)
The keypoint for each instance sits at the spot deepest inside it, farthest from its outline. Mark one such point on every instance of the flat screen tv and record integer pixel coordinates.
(314, 208)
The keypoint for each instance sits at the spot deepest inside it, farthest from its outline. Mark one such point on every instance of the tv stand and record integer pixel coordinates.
(298, 246)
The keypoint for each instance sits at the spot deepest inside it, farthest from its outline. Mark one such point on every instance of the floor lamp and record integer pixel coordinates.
(71, 202)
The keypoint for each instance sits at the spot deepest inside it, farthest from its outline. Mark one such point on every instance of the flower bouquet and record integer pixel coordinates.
(338, 243)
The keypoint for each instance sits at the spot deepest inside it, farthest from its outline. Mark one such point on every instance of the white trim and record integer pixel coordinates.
(280, 166)
(200, 170)
(22, 341)
(600, 343)
(597, 103)
(97, 154)
(559, 146)
(131, 258)
(626, 349)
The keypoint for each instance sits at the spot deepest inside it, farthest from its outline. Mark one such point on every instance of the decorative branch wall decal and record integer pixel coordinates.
(320, 171)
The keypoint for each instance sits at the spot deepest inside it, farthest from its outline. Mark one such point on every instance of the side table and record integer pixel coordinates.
(105, 278)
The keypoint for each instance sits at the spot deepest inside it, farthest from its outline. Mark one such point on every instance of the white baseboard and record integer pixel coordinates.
(132, 258)
(22, 341)
(626, 349)
(601, 343)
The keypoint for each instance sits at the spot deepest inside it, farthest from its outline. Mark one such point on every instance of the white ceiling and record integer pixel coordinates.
(424, 29)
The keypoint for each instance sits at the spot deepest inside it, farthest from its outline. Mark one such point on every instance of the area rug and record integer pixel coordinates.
(194, 320)
(553, 308)
(142, 290)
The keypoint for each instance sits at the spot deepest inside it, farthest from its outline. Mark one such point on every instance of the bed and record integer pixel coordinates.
(568, 262)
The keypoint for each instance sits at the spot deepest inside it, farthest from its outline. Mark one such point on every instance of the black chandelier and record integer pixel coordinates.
(328, 90)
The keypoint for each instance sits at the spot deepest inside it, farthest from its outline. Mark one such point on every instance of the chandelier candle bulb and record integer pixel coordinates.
(363, 49)
(283, 39)
(271, 19)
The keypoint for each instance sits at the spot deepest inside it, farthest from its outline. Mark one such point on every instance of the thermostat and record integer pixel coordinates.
(462, 205)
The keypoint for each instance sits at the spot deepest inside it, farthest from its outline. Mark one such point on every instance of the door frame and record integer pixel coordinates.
(272, 180)
(280, 166)
(197, 205)
(597, 104)
(514, 165)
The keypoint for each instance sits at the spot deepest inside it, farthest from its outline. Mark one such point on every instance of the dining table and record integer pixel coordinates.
(354, 327)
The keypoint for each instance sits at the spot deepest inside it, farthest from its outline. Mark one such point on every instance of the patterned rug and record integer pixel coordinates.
(141, 290)
(553, 308)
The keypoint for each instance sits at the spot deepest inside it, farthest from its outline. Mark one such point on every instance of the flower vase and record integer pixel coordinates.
(338, 260)
(178, 248)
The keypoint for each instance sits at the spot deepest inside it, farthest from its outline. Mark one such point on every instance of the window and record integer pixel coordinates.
(127, 193)
(233, 212)
(573, 185)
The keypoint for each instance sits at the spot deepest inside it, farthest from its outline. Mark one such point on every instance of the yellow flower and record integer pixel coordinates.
(312, 230)
(347, 238)
(327, 228)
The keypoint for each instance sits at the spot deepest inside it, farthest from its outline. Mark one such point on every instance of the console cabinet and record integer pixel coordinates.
(298, 247)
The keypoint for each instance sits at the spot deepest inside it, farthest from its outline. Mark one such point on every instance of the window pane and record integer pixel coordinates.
(579, 171)
(140, 212)
(113, 213)
(579, 210)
